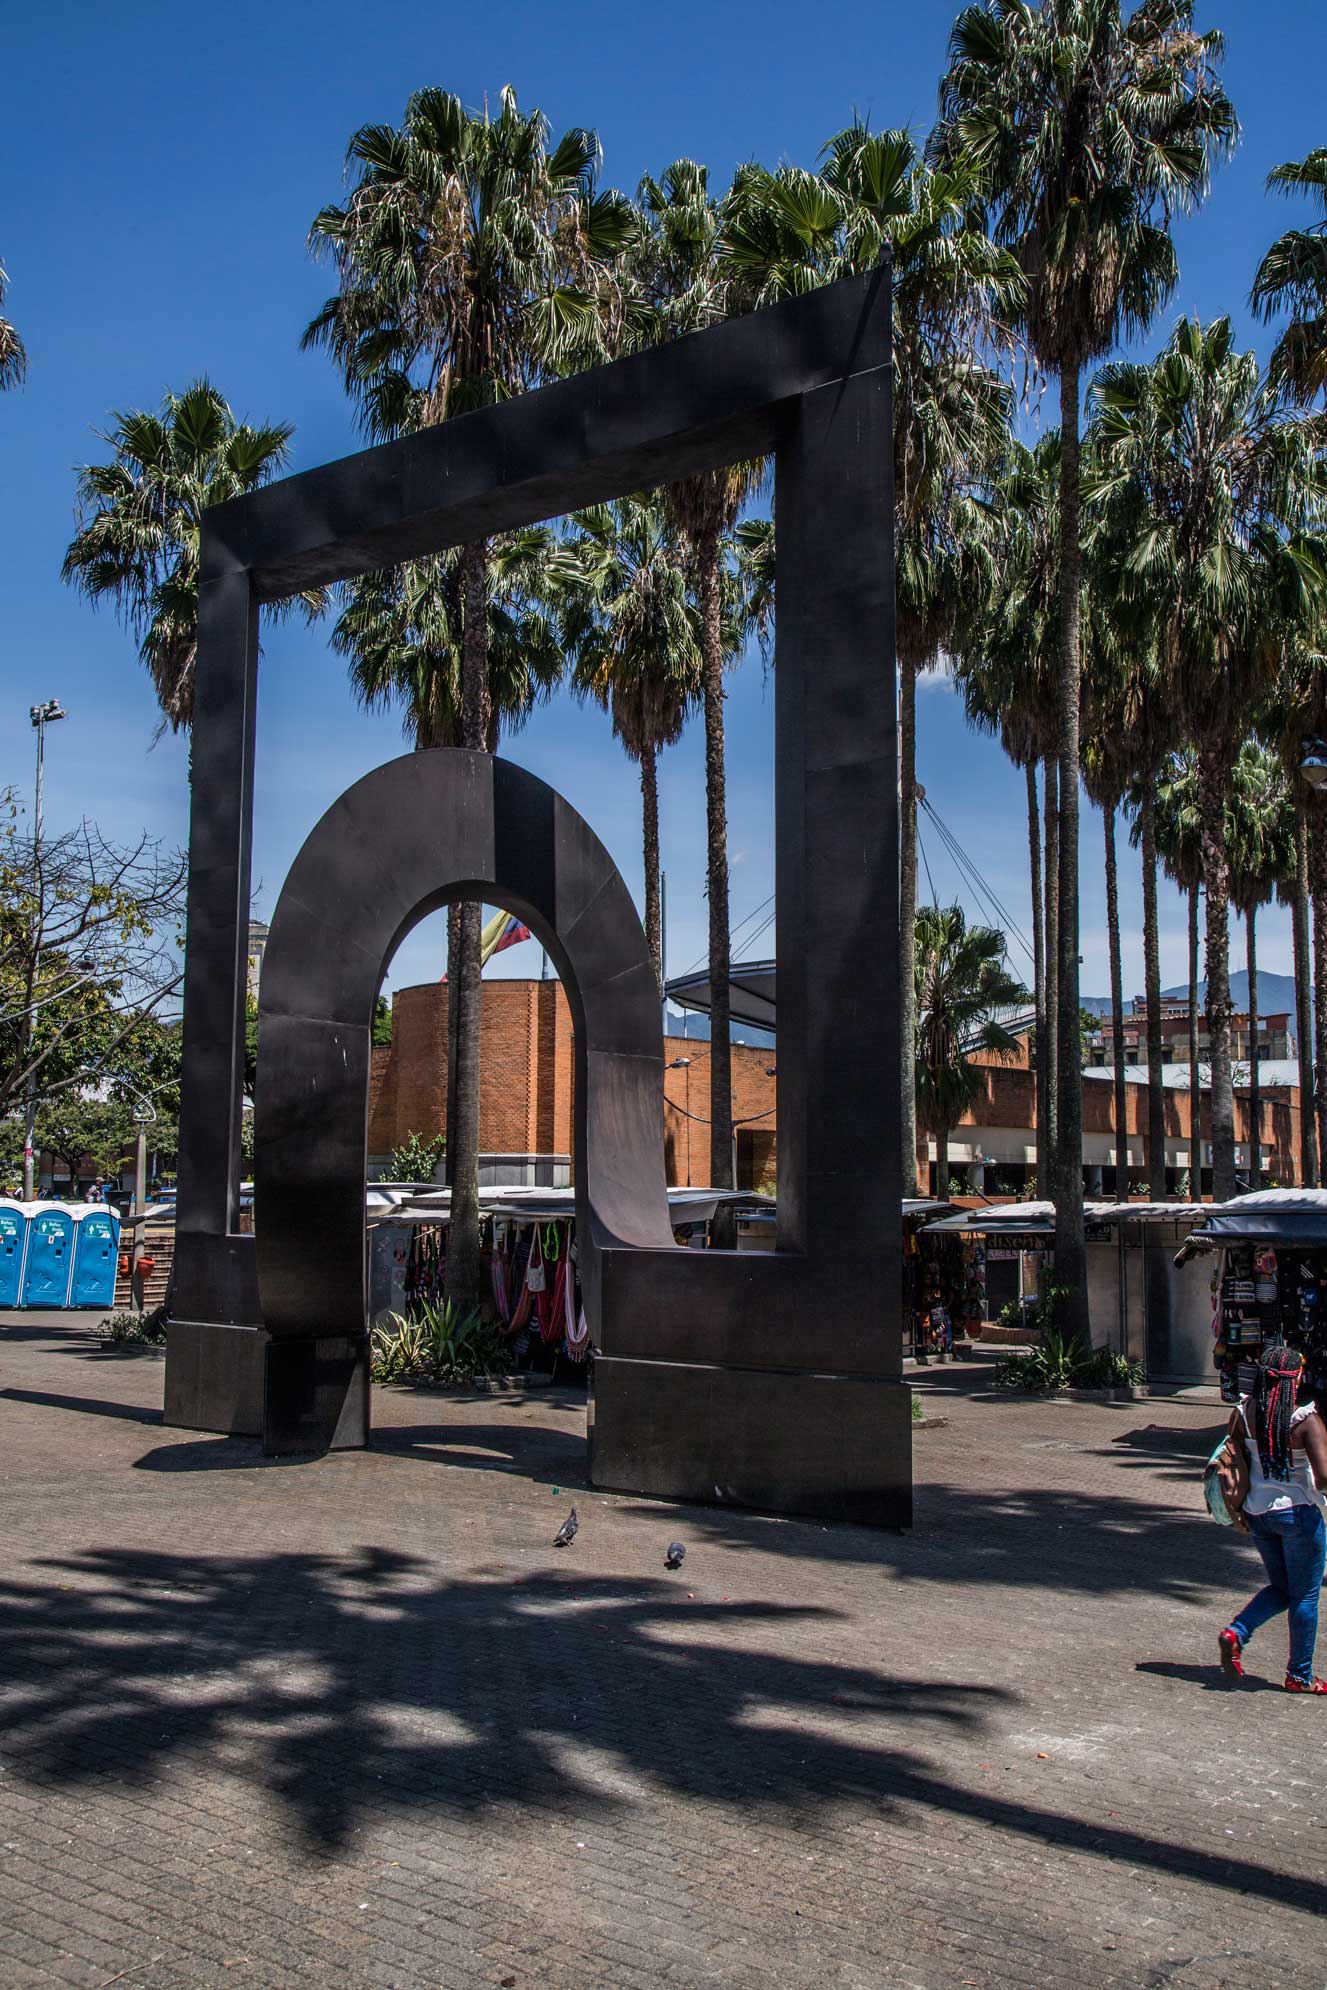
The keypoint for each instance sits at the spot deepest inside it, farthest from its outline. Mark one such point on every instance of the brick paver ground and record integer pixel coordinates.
(358, 1722)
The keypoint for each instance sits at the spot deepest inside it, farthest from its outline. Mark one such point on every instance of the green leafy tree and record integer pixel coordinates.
(1091, 128)
(90, 956)
(418, 1157)
(474, 258)
(79, 1130)
(140, 520)
(964, 993)
(1292, 277)
(13, 357)
(633, 635)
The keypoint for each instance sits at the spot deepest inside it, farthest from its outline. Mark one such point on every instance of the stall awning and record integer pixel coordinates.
(1286, 1216)
(1037, 1219)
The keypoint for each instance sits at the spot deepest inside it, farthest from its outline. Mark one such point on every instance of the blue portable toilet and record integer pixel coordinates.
(96, 1249)
(13, 1236)
(50, 1254)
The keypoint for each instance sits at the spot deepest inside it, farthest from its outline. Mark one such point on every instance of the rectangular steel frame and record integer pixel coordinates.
(774, 1381)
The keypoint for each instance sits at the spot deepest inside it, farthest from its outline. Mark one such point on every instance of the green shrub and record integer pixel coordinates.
(135, 1329)
(440, 1347)
(916, 1409)
(1063, 1361)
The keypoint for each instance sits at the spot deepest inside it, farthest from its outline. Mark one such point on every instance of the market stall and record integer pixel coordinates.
(1269, 1283)
(1140, 1302)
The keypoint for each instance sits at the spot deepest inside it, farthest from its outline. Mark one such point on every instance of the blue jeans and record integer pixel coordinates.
(1293, 1546)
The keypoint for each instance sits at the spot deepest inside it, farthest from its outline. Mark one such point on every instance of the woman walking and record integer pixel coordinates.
(1287, 1452)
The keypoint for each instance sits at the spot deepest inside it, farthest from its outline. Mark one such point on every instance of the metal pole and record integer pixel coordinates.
(140, 1169)
(30, 1100)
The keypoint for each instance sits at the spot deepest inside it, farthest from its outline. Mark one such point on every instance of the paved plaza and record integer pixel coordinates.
(358, 1722)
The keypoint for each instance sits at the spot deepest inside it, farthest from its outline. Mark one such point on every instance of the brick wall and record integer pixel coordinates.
(526, 1075)
(525, 1069)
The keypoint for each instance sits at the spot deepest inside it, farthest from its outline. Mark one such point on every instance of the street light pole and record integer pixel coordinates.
(41, 716)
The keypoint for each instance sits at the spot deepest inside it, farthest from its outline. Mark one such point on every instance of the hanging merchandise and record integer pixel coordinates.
(577, 1326)
(535, 1278)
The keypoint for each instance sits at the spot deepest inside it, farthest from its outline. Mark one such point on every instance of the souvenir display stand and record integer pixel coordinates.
(1269, 1283)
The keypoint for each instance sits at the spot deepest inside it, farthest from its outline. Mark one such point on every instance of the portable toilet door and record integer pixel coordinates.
(13, 1236)
(49, 1255)
(96, 1250)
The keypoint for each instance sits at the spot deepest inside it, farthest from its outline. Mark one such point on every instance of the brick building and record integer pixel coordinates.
(526, 1087)
(527, 1082)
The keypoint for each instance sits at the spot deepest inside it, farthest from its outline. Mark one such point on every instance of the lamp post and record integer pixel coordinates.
(41, 716)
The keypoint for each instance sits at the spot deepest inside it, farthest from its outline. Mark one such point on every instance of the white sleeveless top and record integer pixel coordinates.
(1277, 1495)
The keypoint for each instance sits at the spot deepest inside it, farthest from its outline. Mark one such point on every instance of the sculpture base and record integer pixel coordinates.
(214, 1377)
(831, 1447)
(316, 1395)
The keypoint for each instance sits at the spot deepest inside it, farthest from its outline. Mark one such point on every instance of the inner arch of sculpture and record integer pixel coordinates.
(462, 826)
(769, 1380)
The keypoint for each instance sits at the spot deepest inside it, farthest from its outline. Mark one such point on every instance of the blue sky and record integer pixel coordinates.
(163, 164)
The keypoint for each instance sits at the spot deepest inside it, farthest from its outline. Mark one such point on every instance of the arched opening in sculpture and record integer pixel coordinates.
(463, 825)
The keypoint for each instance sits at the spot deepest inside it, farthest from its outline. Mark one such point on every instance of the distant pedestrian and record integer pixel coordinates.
(93, 1192)
(1286, 1444)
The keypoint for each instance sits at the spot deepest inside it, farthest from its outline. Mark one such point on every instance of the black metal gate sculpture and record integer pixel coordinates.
(765, 1380)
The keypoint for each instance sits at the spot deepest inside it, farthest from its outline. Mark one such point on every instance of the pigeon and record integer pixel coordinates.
(676, 1555)
(566, 1533)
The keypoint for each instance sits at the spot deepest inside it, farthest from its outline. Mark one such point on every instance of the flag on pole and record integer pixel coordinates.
(501, 931)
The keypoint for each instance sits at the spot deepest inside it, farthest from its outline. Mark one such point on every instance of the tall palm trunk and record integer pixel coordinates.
(466, 990)
(1318, 881)
(942, 1161)
(1156, 1090)
(907, 917)
(1308, 1132)
(716, 812)
(1038, 971)
(649, 808)
(1050, 1070)
(453, 977)
(1255, 1090)
(1120, 1085)
(1213, 781)
(1070, 1244)
(1195, 1074)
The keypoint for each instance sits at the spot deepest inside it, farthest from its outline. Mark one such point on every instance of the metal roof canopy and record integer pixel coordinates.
(750, 993)
(1285, 1216)
(1025, 1219)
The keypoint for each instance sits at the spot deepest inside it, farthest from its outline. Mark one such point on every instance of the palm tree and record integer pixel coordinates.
(1129, 729)
(1292, 277)
(1262, 855)
(1091, 128)
(683, 282)
(402, 627)
(13, 357)
(1171, 803)
(1007, 673)
(1221, 496)
(1300, 702)
(473, 259)
(140, 518)
(632, 632)
(788, 229)
(964, 989)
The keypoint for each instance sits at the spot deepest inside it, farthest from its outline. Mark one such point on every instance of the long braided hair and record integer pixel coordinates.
(1280, 1371)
